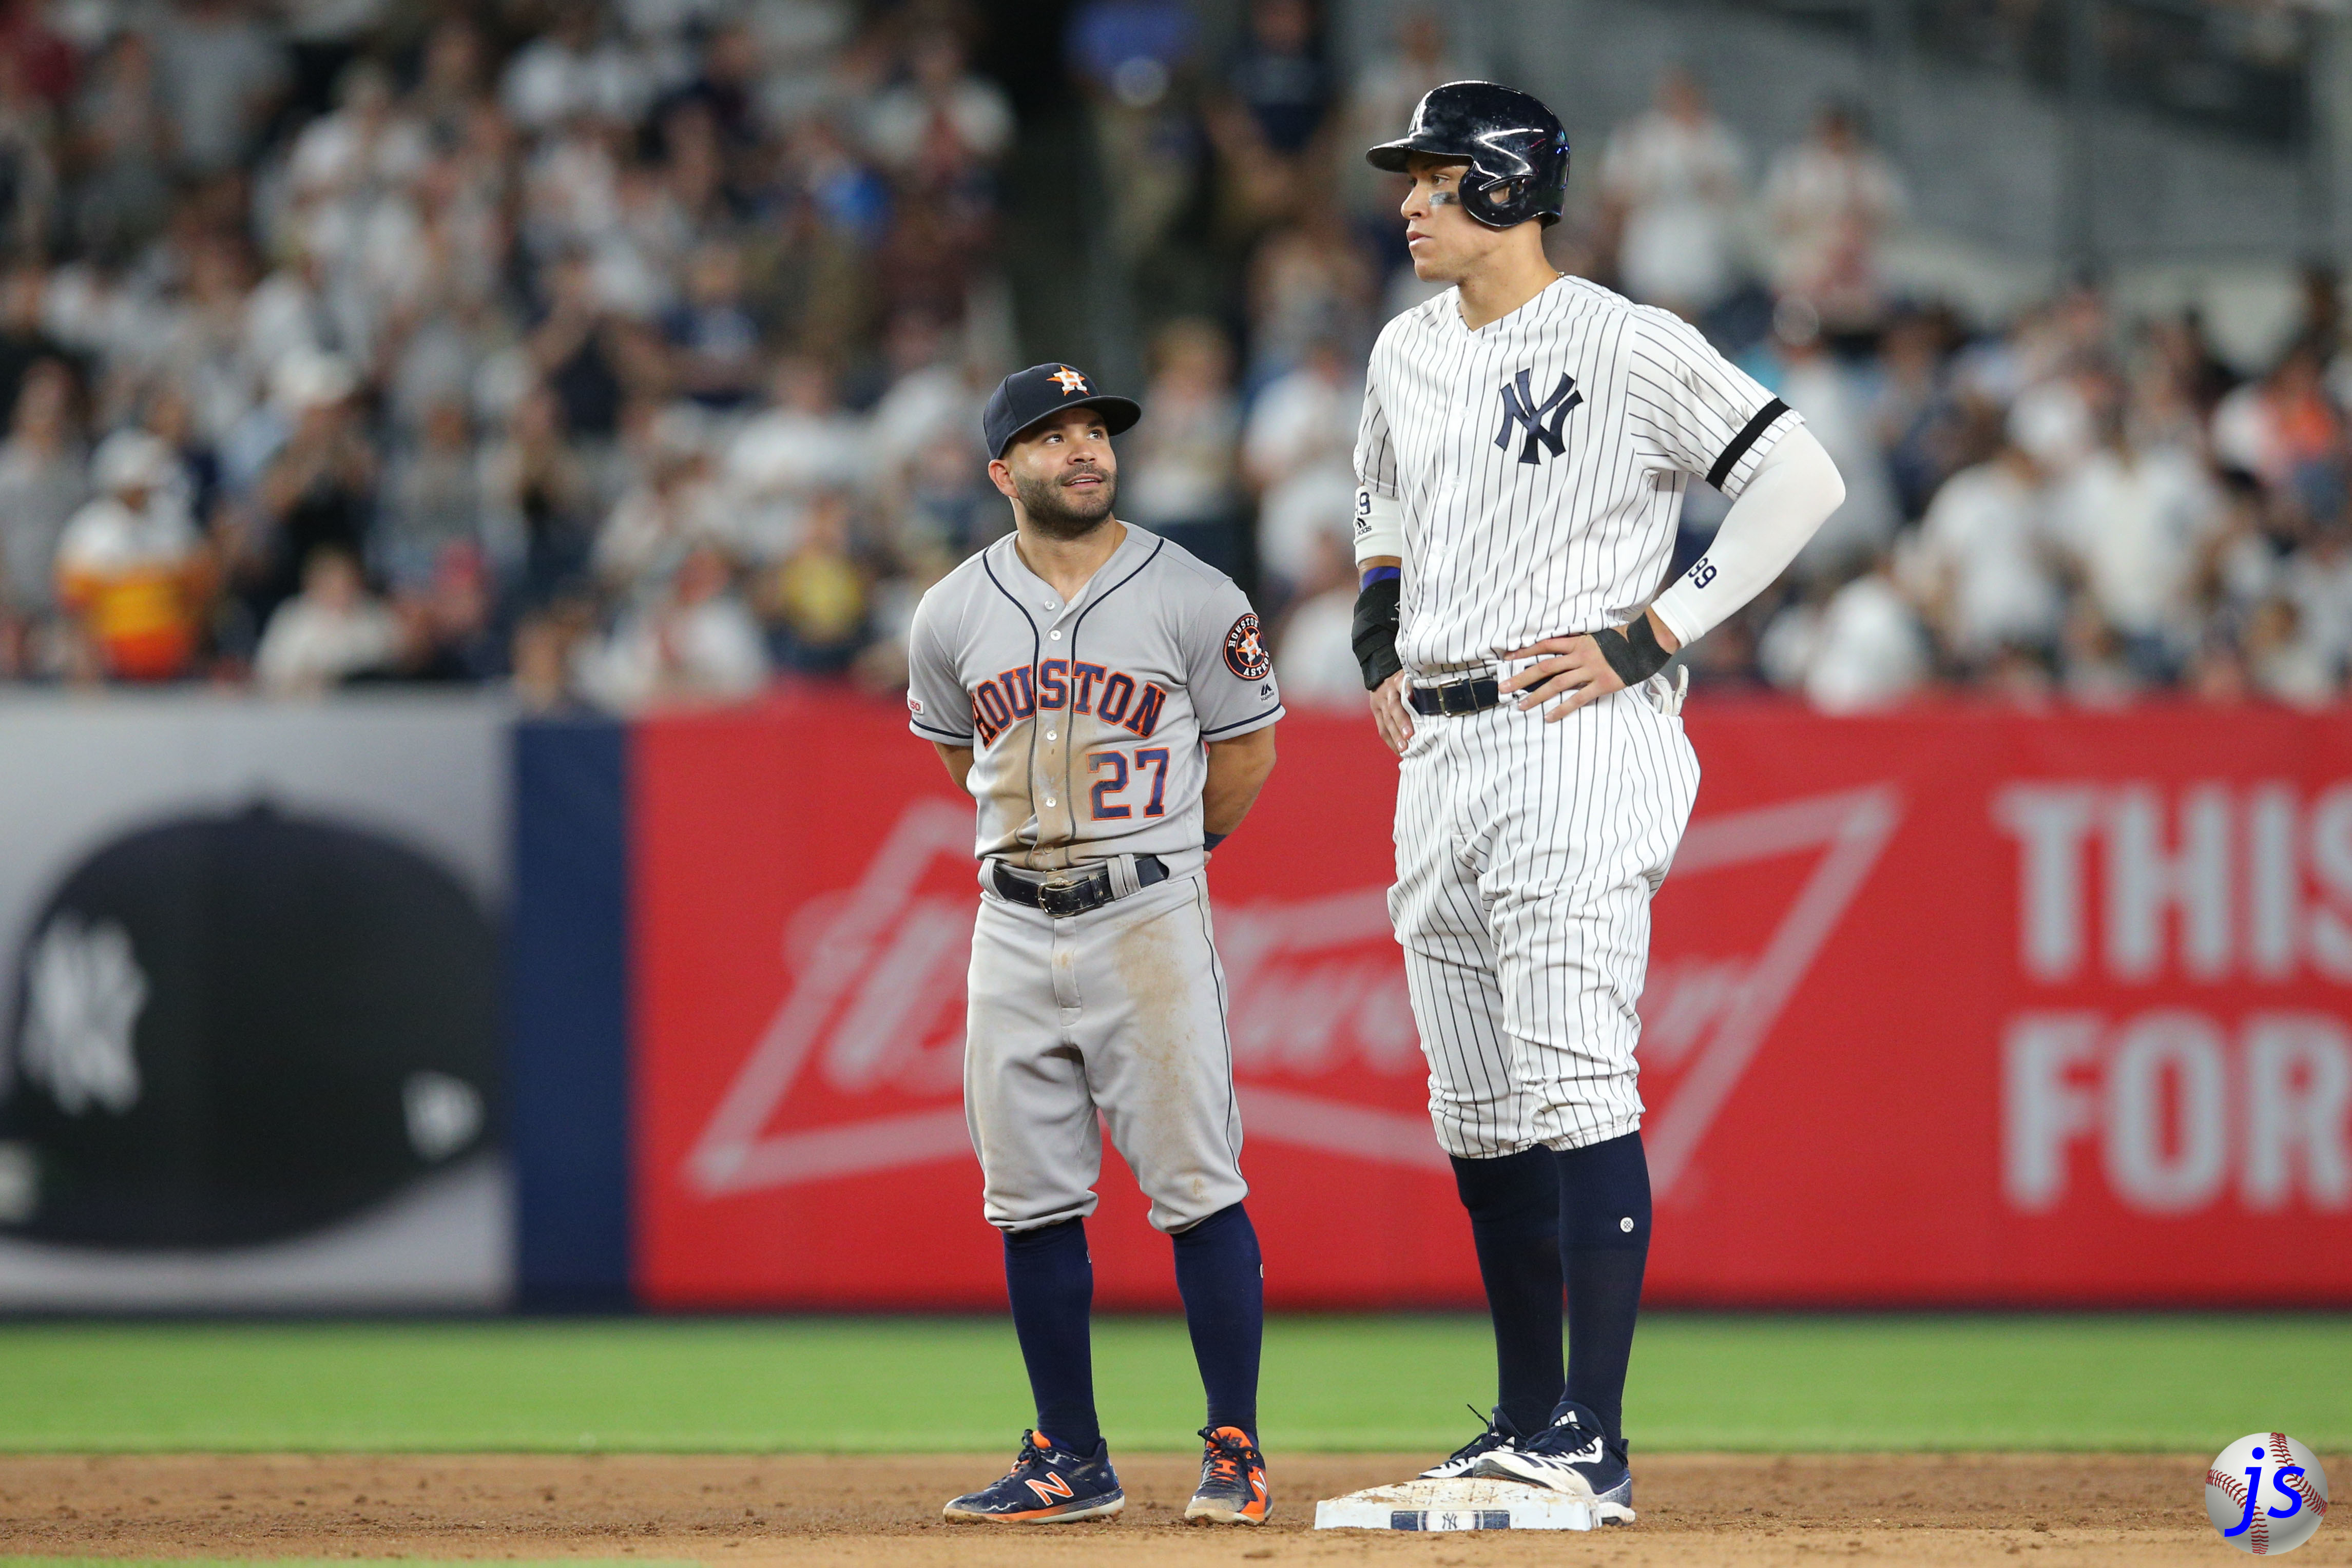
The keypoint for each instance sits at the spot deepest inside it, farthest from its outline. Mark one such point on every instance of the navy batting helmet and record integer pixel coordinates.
(1516, 147)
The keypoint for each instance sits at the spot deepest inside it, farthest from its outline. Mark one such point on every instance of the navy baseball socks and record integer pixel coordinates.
(1063, 1473)
(1064, 1470)
(1222, 1281)
(1604, 1239)
(1514, 1204)
(1050, 1281)
(1514, 1208)
(1598, 1199)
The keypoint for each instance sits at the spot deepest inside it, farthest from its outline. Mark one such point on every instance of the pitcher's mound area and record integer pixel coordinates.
(870, 1512)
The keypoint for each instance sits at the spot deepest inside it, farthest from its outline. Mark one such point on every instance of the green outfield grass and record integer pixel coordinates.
(1338, 1383)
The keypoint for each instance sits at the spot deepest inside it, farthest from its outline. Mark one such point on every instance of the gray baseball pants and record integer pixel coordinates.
(1116, 1018)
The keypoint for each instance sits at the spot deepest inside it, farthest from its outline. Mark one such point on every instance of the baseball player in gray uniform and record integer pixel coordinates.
(1525, 442)
(1109, 702)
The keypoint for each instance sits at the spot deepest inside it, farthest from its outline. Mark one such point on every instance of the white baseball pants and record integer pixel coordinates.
(1527, 856)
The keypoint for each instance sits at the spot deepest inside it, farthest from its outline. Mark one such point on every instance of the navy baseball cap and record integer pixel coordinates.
(1025, 397)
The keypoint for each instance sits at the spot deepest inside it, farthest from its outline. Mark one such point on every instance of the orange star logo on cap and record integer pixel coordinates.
(1068, 380)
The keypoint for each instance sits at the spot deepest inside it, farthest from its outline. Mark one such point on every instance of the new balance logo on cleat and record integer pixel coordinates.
(1232, 1481)
(1499, 1433)
(1046, 1486)
(1569, 1457)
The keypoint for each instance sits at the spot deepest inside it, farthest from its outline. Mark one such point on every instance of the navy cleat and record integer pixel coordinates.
(1499, 1433)
(1569, 1457)
(1233, 1480)
(1046, 1486)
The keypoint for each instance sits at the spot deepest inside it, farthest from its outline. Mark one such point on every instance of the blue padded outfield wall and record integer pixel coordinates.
(568, 1006)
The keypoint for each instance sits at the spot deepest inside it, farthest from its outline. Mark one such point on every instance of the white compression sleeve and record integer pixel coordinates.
(1792, 493)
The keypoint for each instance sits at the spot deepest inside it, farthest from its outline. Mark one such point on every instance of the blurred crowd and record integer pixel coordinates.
(630, 352)
(2073, 505)
(626, 353)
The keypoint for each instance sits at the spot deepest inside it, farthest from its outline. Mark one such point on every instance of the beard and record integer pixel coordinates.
(1057, 514)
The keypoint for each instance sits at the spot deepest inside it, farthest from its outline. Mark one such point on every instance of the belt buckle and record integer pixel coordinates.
(1062, 895)
(1457, 698)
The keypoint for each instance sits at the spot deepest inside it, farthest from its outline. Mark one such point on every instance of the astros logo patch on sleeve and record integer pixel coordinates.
(1245, 654)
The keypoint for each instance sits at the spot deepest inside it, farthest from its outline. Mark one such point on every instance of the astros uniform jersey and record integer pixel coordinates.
(1540, 462)
(1087, 718)
(1088, 722)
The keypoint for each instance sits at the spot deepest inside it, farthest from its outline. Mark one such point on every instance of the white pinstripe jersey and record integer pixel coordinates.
(1540, 462)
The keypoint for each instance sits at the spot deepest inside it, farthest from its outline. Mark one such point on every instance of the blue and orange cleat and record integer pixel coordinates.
(1046, 1486)
(1233, 1480)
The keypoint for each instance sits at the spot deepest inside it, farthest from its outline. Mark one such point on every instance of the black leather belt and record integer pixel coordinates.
(1074, 891)
(1474, 696)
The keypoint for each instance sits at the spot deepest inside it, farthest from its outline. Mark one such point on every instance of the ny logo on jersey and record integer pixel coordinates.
(1521, 408)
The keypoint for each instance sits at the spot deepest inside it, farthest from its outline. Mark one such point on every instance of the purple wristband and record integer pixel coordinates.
(1381, 574)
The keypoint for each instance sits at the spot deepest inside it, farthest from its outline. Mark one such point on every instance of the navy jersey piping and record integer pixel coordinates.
(1279, 712)
(1036, 651)
(1076, 626)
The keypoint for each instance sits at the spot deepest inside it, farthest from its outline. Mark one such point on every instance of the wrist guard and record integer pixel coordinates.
(1633, 652)
(1374, 634)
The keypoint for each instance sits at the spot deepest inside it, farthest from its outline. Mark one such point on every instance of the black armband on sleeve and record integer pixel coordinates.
(1748, 436)
(1374, 634)
(1633, 652)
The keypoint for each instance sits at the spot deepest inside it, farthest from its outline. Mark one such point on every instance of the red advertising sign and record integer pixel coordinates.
(1957, 1006)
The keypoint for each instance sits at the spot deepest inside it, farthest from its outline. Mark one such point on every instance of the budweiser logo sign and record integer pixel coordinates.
(859, 1068)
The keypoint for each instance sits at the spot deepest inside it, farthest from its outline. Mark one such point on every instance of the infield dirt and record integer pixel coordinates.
(882, 1511)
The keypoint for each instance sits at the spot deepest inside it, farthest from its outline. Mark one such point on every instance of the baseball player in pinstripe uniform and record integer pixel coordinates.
(1109, 702)
(1526, 443)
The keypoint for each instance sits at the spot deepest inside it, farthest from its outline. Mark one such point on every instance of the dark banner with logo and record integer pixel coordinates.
(252, 1054)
